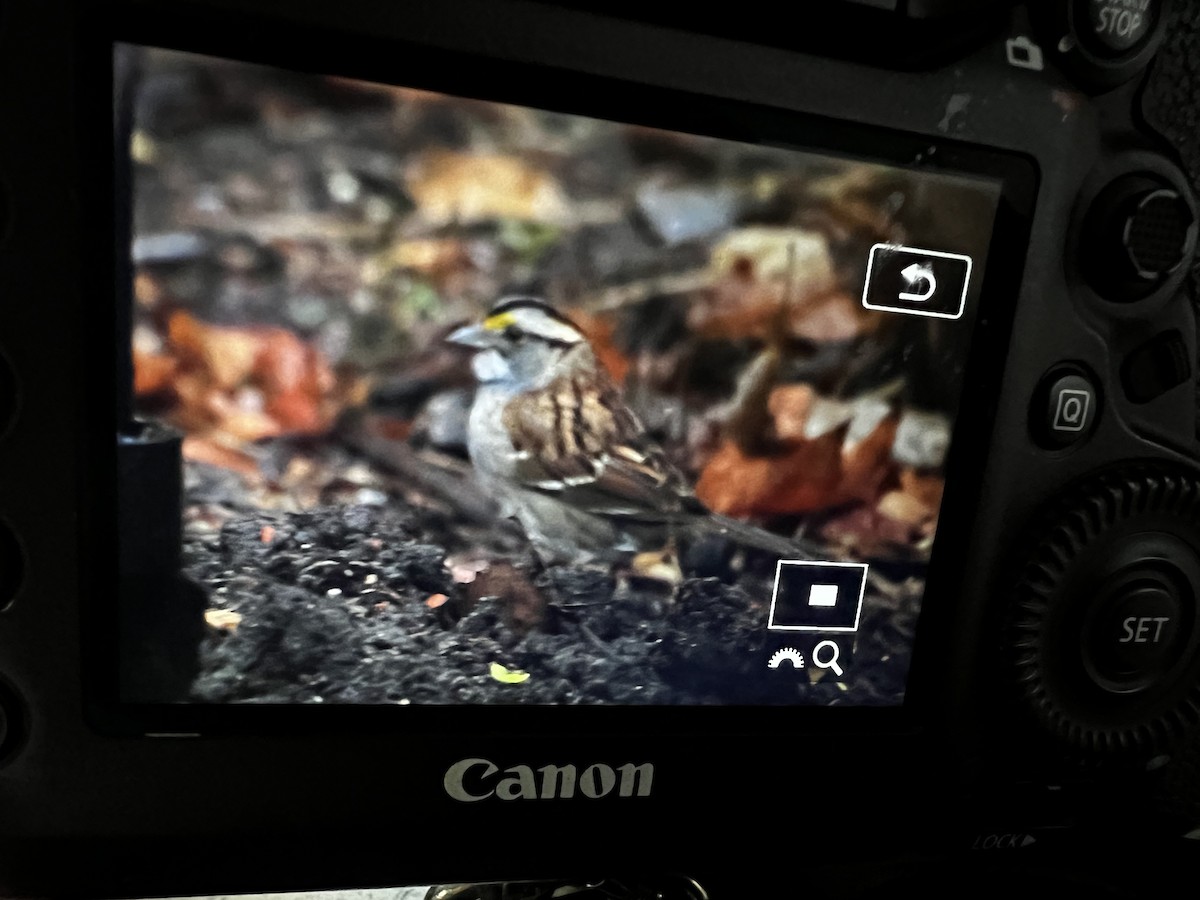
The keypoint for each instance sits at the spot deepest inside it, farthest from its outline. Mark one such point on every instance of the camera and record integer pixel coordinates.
(534, 448)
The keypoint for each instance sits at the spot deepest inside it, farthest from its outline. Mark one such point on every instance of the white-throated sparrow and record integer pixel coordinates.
(552, 440)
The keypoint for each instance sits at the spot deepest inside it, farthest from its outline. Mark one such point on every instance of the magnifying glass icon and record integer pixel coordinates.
(832, 661)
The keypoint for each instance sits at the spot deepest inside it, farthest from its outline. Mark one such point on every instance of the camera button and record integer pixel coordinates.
(1140, 231)
(1065, 408)
(1136, 637)
(1115, 27)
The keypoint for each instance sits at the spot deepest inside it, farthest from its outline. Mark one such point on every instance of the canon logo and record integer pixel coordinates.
(469, 780)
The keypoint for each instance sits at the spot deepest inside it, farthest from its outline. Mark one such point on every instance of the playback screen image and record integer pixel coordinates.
(482, 403)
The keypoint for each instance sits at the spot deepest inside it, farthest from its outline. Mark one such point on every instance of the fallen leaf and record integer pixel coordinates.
(223, 619)
(433, 601)
(599, 330)
(433, 257)
(523, 604)
(267, 534)
(903, 508)
(660, 565)
(507, 676)
(226, 355)
(866, 532)
(766, 253)
(451, 187)
(153, 373)
(463, 570)
(803, 477)
(737, 307)
(834, 317)
(926, 487)
(868, 464)
(205, 450)
(246, 383)
(790, 405)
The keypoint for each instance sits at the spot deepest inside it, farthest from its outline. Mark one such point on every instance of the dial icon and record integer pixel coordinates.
(790, 654)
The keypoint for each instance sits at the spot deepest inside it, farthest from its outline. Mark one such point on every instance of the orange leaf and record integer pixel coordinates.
(868, 464)
(804, 477)
(226, 354)
(473, 187)
(599, 331)
(206, 451)
(152, 372)
(926, 488)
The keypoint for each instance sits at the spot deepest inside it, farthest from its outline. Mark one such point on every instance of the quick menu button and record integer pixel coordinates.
(1065, 407)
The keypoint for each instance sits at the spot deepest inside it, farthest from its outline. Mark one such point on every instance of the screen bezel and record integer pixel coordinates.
(526, 83)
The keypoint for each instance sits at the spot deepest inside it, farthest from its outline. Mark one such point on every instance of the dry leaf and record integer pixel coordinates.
(153, 373)
(927, 488)
(790, 405)
(226, 355)
(223, 619)
(433, 257)
(599, 331)
(660, 565)
(868, 464)
(247, 383)
(787, 255)
(462, 187)
(204, 450)
(835, 317)
(806, 475)
(524, 605)
(903, 508)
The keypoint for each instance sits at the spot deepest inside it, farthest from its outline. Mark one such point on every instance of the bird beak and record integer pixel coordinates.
(475, 336)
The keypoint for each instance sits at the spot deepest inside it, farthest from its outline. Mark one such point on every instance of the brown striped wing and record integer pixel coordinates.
(577, 440)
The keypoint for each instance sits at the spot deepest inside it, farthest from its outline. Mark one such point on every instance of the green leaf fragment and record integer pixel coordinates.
(507, 676)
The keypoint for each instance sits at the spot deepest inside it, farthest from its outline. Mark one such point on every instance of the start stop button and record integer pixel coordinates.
(1115, 27)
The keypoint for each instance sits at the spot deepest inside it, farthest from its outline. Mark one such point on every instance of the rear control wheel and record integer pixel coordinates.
(1106, 618)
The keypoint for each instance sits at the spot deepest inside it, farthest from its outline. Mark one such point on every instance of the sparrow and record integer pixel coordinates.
(553, 442)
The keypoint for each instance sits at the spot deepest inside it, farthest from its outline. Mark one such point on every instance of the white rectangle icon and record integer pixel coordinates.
(823, 595)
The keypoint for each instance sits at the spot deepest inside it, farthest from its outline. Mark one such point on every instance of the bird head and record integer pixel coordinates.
(521, 340)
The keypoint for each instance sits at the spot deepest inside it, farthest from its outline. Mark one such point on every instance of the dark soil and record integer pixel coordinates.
(335, 607)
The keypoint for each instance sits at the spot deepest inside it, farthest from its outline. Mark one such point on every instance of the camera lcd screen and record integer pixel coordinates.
(483, 403)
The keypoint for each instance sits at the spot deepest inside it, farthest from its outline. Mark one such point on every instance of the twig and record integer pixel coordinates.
(447, 478)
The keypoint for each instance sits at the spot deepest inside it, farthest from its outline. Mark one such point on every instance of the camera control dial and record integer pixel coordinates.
(1140, 230)
(1106, 619)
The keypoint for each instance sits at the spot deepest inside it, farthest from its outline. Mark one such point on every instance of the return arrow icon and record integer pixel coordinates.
(914, 274)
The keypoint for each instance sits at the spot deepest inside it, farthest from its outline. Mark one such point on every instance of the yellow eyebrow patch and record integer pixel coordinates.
(498, 322)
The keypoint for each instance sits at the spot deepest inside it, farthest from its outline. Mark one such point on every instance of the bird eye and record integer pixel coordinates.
(513, 333)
